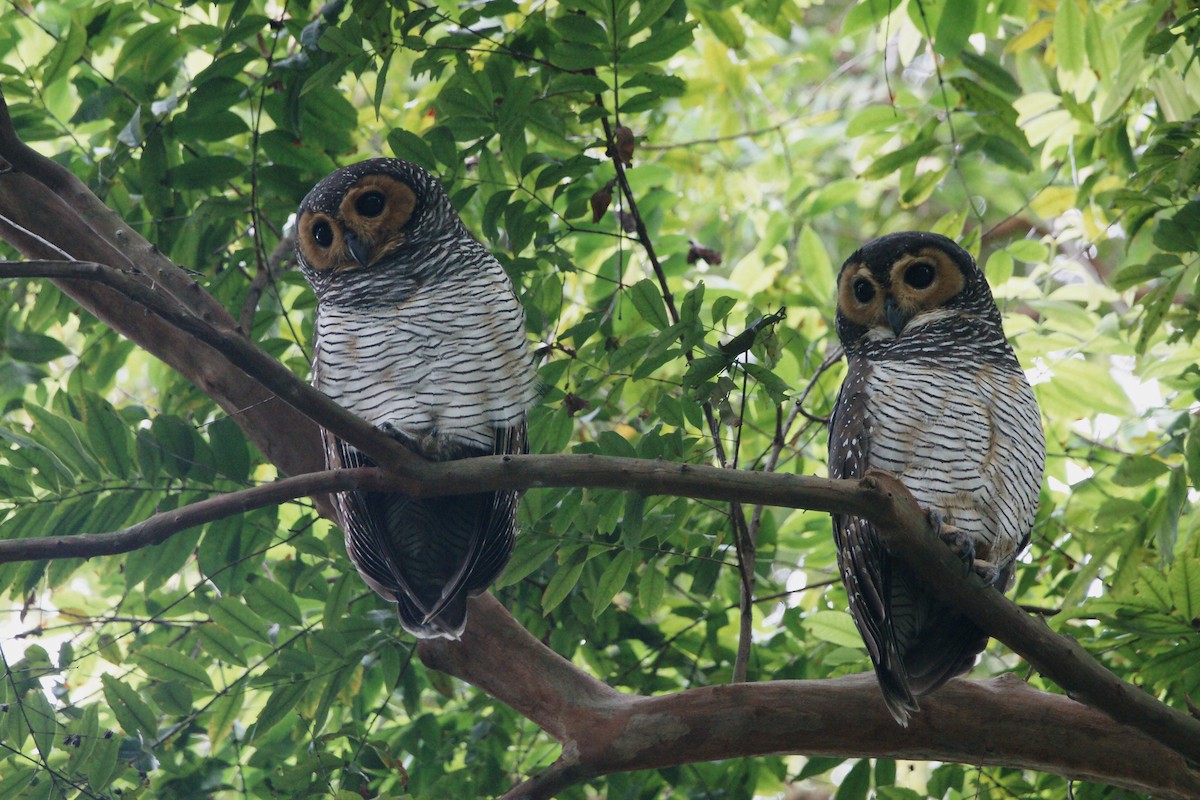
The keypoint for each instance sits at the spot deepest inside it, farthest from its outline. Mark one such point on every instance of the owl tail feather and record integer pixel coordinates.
(900, 701)
(447, 623)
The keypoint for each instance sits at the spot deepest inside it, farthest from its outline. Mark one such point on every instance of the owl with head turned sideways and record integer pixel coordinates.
(419, 332)
(933, 394)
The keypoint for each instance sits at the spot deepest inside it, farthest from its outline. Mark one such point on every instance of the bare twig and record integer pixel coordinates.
(280, 254)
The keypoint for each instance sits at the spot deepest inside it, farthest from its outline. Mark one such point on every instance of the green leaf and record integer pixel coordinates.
(612, 580)
(563, 581)
(34, 348)
(129, 708)
(659, 46)
(1137, 470)
(530, 554)
(231, 614)
(580, 28)
(64, 54)
(652, 587)
(648, 301)
(221, 644)
(272, 602)
(857, 782)
(282, 701)
(614, 444)
(101, 763)
(721, 308)
(955, 26)
(223, 713)
(1069, 36)
(410, 147)
(165, 664)
(651, 11)
(1184, 583)
(836, 627)
(990, 71)
(1192, 455)
(173, 697)
(39, 713)
(1164, 517)
(890, 162)
(777, 388)
(109, 436)
(1157, 303)
(64, 440)
(722, 24)
(205, 172)
(632, 521)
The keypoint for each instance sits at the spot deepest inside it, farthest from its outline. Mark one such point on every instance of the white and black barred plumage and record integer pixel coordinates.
(419, 332)
(933, 394)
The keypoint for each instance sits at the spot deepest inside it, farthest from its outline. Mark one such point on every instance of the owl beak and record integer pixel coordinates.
(896, 316)
(359, 250)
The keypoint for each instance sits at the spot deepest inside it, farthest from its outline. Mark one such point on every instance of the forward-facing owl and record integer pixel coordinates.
(934, 395)
(419, 332)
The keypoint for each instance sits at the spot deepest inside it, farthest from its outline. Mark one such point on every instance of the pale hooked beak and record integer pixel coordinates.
(897, 318)
(359, 250)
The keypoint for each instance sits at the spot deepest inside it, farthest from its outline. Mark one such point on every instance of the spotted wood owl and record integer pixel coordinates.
(419, 332)
(933, 394)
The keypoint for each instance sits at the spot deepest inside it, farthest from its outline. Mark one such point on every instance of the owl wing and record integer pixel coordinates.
(429, 554)
(866, 568)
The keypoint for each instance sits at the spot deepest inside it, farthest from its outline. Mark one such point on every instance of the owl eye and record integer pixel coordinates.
(370, 204)
(920, 275)
(863, 290)
(322, 234)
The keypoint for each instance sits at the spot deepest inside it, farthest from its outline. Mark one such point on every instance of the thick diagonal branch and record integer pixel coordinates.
(905, 530)
(1001, 721)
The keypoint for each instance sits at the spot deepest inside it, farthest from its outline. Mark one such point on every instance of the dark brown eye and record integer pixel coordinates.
(322, 234)
(864, 292)
(920, 275)
(370, 204)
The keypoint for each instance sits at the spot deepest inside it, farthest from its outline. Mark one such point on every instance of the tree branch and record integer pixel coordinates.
(162, 526)
(905, 530)
(491, 473)
(1000, 721)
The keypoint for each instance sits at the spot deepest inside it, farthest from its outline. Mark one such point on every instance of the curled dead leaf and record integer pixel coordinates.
(601, 200)
(625, 144)
(697, 252)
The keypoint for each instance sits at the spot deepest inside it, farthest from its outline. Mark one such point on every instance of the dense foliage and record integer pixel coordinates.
(766, 139)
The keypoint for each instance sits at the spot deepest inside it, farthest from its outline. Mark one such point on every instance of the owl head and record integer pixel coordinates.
(903, 286)
(364, 217)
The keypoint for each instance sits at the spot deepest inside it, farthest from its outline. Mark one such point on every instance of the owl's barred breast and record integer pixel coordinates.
(968, 443)
(452, 359)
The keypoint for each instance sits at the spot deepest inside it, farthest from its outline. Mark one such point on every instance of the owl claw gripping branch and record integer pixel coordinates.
(417, 331)
(933, 394)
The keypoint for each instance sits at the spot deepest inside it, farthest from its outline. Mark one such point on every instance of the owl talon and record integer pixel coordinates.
(958, 541)
(986, 570)
(400, 436)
